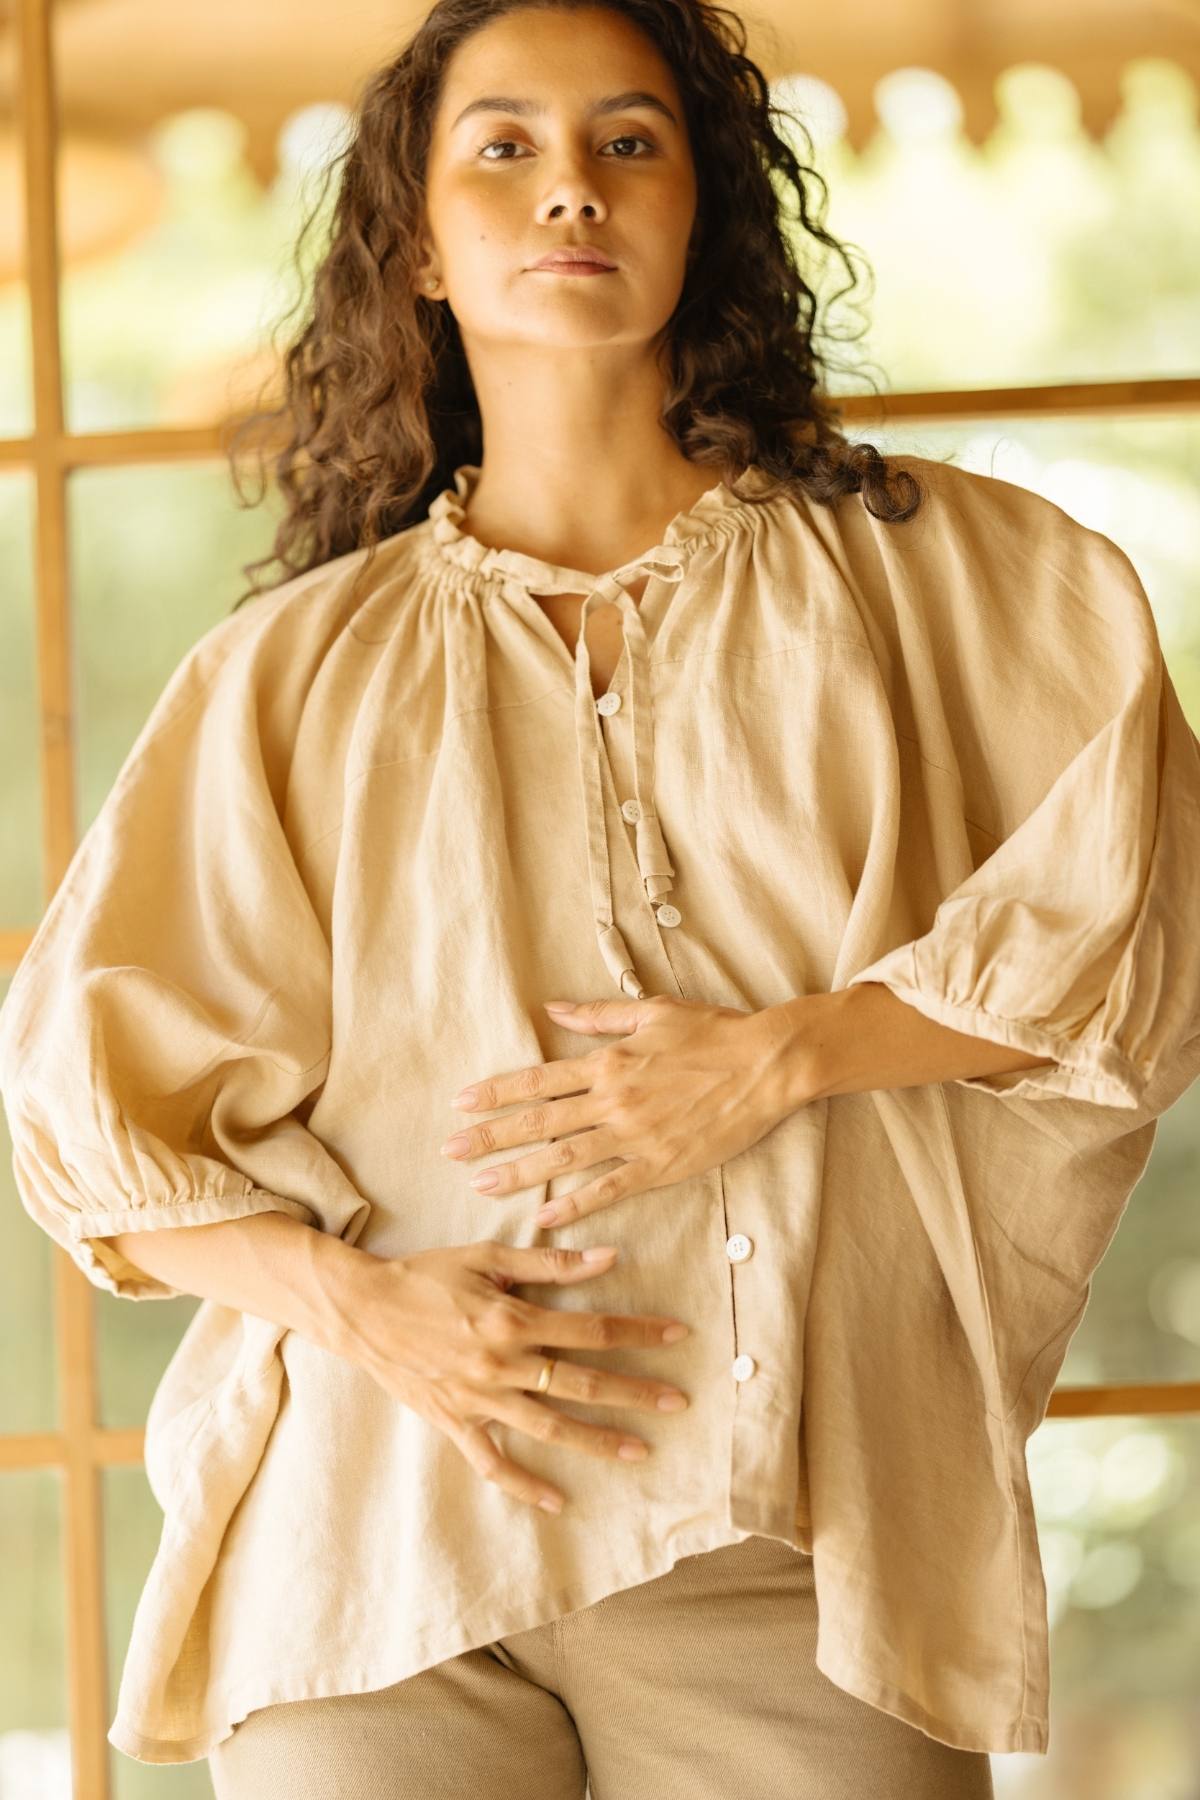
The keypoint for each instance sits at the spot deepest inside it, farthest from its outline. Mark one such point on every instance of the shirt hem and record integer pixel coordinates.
(311, 1681)
(1030, 1733)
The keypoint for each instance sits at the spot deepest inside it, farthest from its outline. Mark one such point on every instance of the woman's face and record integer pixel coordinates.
(551, 159)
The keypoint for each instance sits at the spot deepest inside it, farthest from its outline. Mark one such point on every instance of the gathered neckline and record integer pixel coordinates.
(448, 512)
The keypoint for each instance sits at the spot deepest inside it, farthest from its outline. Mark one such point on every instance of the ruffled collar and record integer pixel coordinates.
(719, 507)
(448, 511)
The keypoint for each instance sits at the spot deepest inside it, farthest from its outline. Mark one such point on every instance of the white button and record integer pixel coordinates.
(738, 1248)
(743, 1367)
(668, 915)
(631, 810)
(608, 703)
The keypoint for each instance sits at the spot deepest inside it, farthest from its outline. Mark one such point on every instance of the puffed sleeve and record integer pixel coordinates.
(1078, 937)
(172, 1012)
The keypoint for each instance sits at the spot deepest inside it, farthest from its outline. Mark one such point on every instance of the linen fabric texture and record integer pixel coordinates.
(377, 817)
(619, 1707)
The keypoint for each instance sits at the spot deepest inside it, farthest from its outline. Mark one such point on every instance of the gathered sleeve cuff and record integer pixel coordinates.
(1078, 937)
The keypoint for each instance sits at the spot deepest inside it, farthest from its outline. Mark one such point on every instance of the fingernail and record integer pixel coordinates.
(557, 1005)
(548, 1505)
(600, 1253)
(486, 1180)
(673, 1333)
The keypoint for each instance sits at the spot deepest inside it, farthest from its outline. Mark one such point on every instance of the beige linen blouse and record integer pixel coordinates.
(364, 834)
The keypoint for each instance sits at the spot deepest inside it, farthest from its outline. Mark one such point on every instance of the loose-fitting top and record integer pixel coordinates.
(368, 829)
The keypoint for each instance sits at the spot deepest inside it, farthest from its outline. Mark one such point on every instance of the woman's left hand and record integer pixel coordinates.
(688, 1087)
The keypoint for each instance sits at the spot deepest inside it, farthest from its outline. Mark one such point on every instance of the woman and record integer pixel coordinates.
(856, 810)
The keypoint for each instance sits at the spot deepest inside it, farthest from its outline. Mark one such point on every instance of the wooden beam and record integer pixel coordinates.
(118, 1448)
(13, 944)
(1119, 1399)
(1096, 399)
(74, 1295)
(1067, 399)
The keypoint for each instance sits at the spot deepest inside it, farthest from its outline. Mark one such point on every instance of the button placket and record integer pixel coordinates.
(654, 865)
(633, 812)
(664, 912)
(616, 772)
(738, 1248)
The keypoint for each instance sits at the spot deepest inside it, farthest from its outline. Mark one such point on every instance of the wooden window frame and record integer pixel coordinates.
(80, 1449)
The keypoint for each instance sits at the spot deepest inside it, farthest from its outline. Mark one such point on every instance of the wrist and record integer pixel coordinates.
(805, 1036)
(336, 1297)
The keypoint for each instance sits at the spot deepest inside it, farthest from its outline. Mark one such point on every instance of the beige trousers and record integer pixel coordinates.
(698, 1685)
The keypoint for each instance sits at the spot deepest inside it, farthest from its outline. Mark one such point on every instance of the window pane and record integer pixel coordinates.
(16, 383)
(156, 555)
(1118, 1510)
(21, 881)
(35, 1750)
(181, 194)
(132, 1525)
(1138, 481)
(1135, 479)
(1041, 254)
(28, 1364)
(135, 1340)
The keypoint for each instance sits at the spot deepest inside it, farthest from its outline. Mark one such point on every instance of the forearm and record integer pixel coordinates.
(864, 1037)
(269, 1264)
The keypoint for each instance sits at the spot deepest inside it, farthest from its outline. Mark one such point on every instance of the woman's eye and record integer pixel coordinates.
(500, 142)
(493, 144)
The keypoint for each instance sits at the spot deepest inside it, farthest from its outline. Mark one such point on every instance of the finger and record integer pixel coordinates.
(603, 1015)
(581, 1149)
(530, 1265)
(477, 1445)
(540, 1262)
(542, 1081)
(565, 1330)
(533, 1124)
(549, 1426)
(593, 1387)
(616, 1184)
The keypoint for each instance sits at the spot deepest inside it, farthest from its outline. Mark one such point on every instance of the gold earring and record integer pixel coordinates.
(431, 283)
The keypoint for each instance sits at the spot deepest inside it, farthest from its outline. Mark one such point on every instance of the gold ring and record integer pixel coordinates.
(544, 1379)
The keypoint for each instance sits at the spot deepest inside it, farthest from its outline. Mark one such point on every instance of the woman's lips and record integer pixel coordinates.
(572, 268)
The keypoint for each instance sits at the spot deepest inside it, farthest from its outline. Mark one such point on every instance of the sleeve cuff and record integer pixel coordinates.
(108, 1270)
(1080, 1071)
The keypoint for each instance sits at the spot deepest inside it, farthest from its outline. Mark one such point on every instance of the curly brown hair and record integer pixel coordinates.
(378, 405)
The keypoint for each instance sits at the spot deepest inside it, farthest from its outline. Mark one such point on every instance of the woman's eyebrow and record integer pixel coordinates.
(523, 108)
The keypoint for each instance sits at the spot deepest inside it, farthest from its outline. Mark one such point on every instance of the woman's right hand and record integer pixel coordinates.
(440, 1330)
